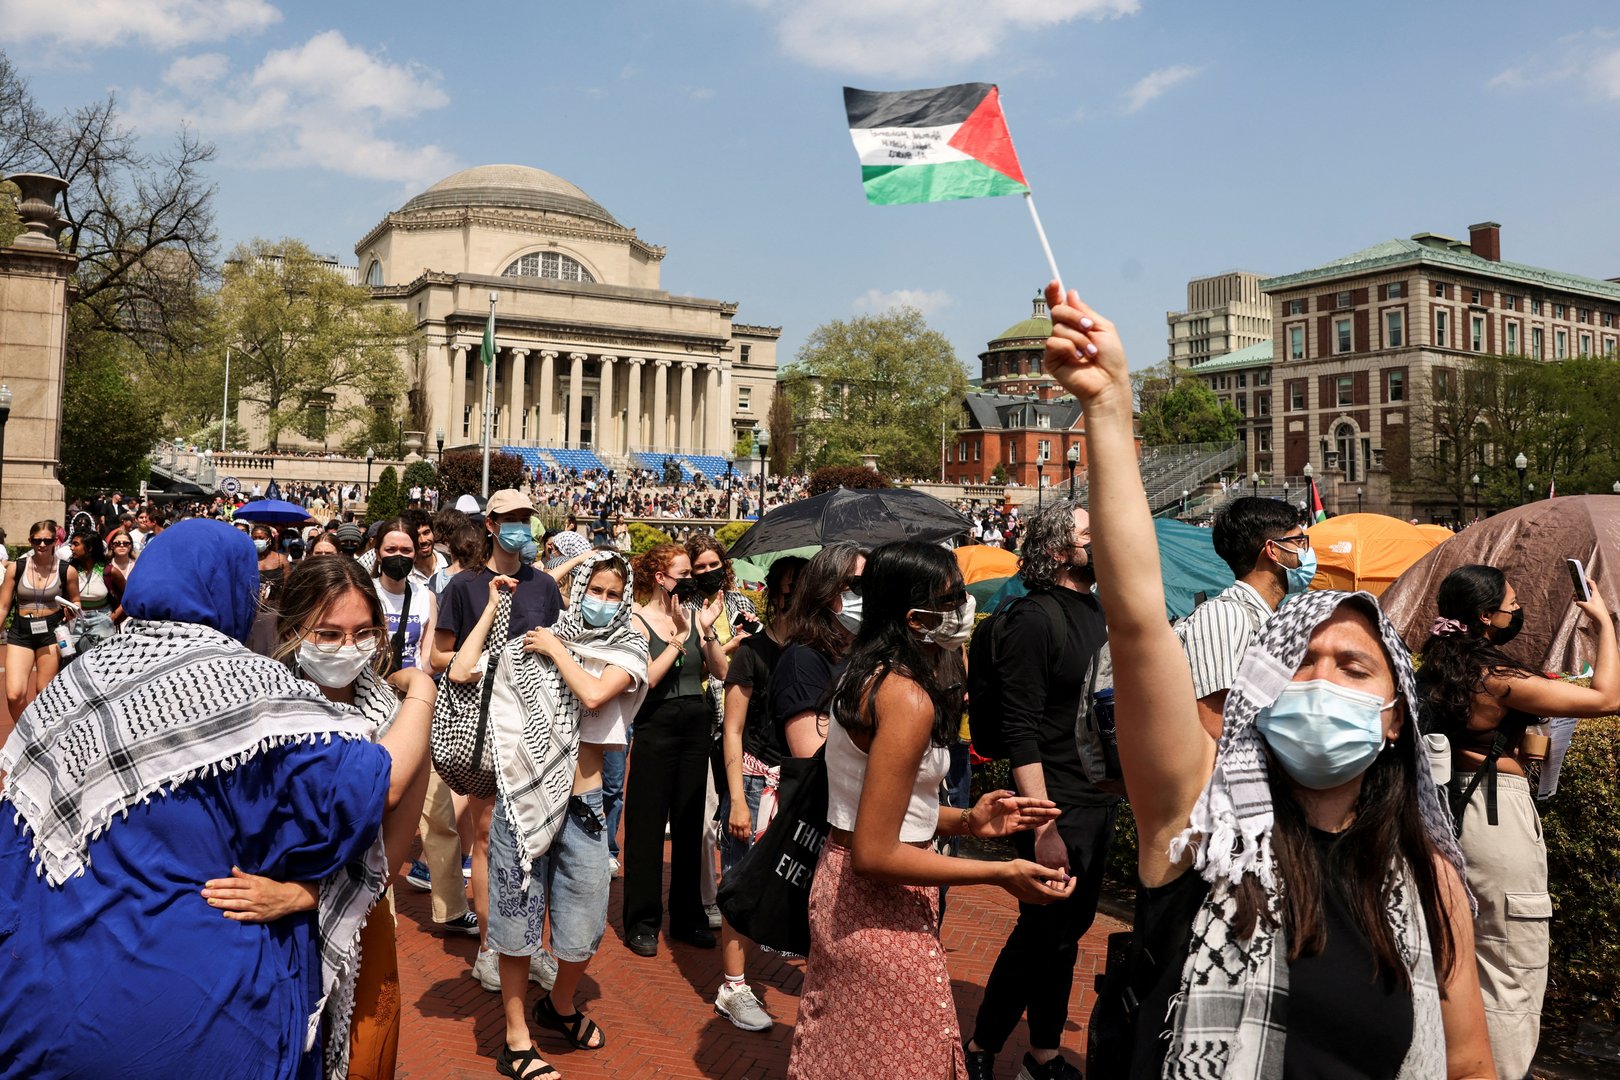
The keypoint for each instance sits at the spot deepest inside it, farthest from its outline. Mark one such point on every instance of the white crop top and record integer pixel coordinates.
(846, 772)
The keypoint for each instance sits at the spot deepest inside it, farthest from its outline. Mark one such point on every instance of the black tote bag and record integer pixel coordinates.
(766, 897)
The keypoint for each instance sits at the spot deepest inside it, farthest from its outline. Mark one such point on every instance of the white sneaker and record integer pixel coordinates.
(615, 867)
(737, 1003)
(487, 970)
(543, 970)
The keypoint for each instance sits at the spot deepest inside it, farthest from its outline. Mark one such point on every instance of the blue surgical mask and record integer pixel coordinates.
(514, 535)
(1324, 734)
(598, 613)
(1299, 577)
(849, 613)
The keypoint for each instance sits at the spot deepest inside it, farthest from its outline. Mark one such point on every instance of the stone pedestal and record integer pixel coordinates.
(35, 292)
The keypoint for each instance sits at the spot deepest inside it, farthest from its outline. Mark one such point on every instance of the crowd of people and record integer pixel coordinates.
(232, 737)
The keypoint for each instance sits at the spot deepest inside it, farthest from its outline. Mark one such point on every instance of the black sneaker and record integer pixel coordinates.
(981, 1064)
(1056, 1069)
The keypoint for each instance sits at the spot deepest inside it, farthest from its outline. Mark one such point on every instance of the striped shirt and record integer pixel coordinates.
(1217, 634)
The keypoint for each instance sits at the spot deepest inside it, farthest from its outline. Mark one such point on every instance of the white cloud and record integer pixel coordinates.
(905, 38)
(700, 93)
(1591, 58)
(324, 104)
(1156, 84)
(875, 301)
(161, 24)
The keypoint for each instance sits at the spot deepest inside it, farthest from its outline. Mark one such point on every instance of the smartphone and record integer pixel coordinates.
(1577, 574)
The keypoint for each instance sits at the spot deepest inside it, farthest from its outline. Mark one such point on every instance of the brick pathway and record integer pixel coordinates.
(658, 1013)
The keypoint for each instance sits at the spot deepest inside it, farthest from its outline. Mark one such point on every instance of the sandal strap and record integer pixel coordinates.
(515, 1063)
(579, 1028)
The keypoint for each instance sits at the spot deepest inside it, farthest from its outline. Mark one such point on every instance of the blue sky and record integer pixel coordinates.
(1165, 139)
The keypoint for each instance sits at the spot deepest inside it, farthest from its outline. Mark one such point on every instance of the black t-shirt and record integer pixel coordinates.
(752, 666)
(803, 681)
(1042, 681)
(536, 602)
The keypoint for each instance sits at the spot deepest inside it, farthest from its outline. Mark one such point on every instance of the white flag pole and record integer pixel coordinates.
(1051, 261)
(489, 392)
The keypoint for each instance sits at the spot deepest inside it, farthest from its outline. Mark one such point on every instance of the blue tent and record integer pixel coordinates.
(1187, 560)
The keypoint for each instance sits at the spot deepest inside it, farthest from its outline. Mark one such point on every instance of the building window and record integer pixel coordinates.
(1583, 315)
(1395, 386)
(1535, 307)
(1262, 439)
(1608, 345)
(1262, 404)
(1012, 453)
(1394, 329)
(374, 273)
(1296, 307)
(1560, 311)
(742, 398)
(1341, 333)
(1045, 450)
(1476, 339)
(1608, 318)
(1341, 301)
(1262, 377)
(1586, 344)
(1560, 344)
(1243, 379)
(1296, 343)
(1442, 322)
(742, 353)
(1473, 296)
(1510, 302)
(1347, 390)
(1043, 421)
(1243, 404)
(1296, 397)
(1512, 329)
(961, 450)
(1538, 342)
(548, 264)
(1394, 290)
(1439, 288)
(976, 445)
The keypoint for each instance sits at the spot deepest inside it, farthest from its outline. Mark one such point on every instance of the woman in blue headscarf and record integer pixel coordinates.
(111, 963)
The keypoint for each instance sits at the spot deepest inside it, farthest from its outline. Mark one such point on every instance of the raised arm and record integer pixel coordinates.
(1165, 755)
(1555, 697)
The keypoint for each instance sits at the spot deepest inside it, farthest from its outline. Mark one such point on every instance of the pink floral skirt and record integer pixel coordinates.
(877, 995)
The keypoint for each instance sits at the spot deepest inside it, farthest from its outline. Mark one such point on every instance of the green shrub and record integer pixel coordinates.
(419, 473)
(729, 533)
(383, 501)
(644, 537)
(461, 472)
(1582, 828)
(833, 477)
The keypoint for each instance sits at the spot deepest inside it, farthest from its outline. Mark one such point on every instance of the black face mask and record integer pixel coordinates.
(1501, 635)
(685, 590)
(710, 581)
(397, 567)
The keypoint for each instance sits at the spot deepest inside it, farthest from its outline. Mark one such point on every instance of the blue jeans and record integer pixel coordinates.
(613, 795)
(571, 879)
(731, 849)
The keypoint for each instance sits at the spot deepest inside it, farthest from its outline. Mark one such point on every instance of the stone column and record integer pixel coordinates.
(634, 439)
(660, 414)
(728, 410)
(516, 394)
(714, 410)
(576, 394)
(607, 416)
(438, 396)
(545, 424)
(688, 417)
(455, 428)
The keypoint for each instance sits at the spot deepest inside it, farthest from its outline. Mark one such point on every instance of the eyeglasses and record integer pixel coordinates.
(120, 543)
(367, 638)
(40, 541)
(1302, 539)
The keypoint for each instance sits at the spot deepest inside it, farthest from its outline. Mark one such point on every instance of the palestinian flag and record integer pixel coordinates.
(1318, 511)
(486, 351)
(933, 145)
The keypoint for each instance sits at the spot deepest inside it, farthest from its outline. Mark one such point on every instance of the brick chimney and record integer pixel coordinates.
(1485, 240)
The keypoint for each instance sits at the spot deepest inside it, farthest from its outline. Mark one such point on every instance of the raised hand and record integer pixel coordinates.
(1084, 353)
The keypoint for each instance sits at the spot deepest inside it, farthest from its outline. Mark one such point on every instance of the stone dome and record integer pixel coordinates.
(517, 187)
(1017, 336)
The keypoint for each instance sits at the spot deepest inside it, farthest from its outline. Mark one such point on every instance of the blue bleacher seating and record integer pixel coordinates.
(655, 462)
(711, 465)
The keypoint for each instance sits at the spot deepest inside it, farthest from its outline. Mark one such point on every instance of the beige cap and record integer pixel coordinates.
(507, 500)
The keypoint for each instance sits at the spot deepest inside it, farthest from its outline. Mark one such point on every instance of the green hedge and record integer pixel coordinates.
(729, 533)
(645, 537)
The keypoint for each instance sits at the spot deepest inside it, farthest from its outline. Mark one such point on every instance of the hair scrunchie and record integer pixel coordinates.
(1444, 627)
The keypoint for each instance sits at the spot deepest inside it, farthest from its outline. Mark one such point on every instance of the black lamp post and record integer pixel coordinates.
(1184, 494)
(1475, 480)
(731, 492)
(369, 457)
(1254, 478)
(399, 441)
(1072, 458)
(1521, 463)
(438, 437)
(1040, 480)
(5, 415)
(1359, 492)
(760, 439)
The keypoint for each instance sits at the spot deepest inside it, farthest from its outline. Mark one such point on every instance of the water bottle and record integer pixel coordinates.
(64, 640)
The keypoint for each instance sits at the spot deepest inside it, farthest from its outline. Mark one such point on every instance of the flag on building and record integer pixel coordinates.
(1318, 511)
(918, 146)
(486, 352)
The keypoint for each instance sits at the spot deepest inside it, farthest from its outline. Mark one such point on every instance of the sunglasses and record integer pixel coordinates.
(39, 541)
(854, 584)
(120, 543)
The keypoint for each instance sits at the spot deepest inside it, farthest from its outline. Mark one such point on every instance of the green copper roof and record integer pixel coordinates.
(1393, 253)
(1249, 356)
(1017, 337)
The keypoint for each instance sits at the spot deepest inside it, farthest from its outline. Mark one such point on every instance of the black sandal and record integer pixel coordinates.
(515, 1063)
(579, 1028)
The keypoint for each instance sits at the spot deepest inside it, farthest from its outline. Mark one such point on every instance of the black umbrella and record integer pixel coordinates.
(868, 516)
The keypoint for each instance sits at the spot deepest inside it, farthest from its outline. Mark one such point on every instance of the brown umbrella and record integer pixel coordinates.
(1529, 545)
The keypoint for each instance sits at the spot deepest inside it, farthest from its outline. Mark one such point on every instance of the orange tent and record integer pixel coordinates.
(1365, 551)
(1438, 533)
(980, 562)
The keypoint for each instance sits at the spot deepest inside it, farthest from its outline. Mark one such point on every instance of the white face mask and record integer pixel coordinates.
(334, 669)
(955, 627)
(849, 613)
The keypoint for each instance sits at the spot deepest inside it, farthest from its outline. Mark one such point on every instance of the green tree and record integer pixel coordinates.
(110, 422)
(1185, 411)
(462, 473)
(779, 423)
(744, 448)
(384, 501)
(832, 477)
(303, 339)
(878, 384)
(419, 473)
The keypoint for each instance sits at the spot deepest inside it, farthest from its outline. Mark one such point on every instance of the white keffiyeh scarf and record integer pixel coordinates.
(158, 705)
(534, 716)
(1230, 1018)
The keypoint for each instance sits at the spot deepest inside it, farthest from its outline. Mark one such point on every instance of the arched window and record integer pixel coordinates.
(1345, 436)
(374, 273)
(548, 264)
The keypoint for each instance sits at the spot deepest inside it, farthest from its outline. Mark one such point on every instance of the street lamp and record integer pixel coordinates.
(1475, 480)
(438, 437)
(1254, 478)
(3, 424)
(1040, 466)
(5, 414)
(1184, 494)
(1521, 463)
(1358, 499)
(1073, 460)
(760, 439)
(369, 456)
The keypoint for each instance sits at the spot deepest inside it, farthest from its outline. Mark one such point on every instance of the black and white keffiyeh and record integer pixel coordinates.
(534, 715)
(158, 705)
(1230, 1018)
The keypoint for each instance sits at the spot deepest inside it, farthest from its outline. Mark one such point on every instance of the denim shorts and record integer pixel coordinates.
(731, 849)
(572, 875)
